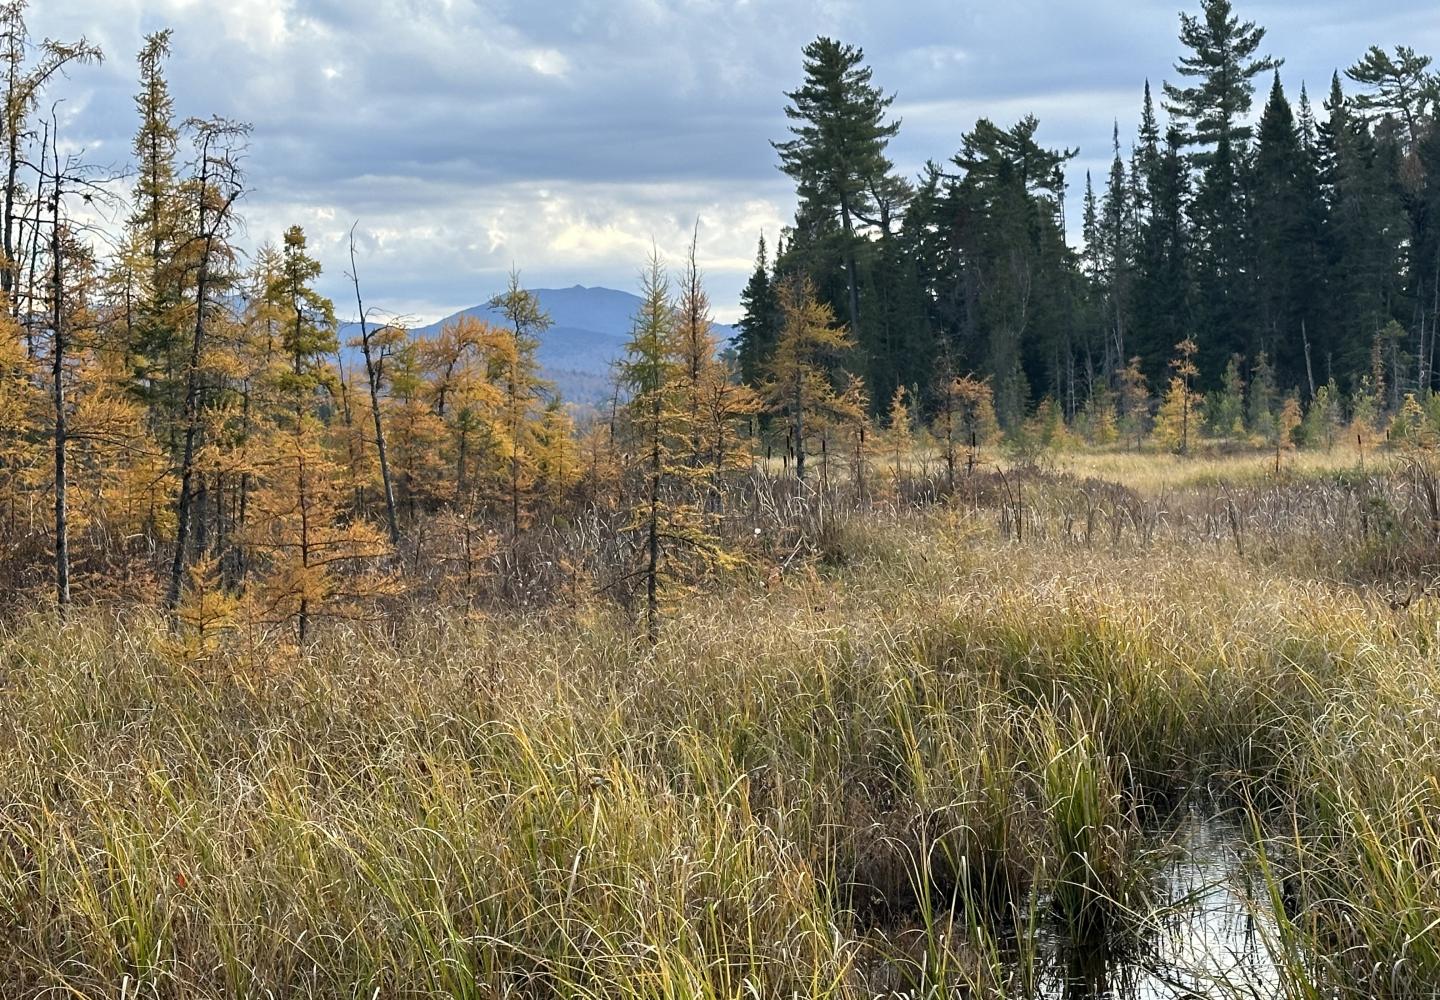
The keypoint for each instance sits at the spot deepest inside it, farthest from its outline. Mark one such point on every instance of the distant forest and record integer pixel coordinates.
(1297, 255)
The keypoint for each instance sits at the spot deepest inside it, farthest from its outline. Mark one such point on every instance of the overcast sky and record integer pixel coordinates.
(469, 135)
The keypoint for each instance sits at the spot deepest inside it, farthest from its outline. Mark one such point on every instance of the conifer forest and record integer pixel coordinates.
(1008, 605)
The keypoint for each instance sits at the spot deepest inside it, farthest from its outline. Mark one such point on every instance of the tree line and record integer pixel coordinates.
(1297, 253)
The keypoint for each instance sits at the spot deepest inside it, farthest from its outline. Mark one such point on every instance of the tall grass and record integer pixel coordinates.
(900, 769)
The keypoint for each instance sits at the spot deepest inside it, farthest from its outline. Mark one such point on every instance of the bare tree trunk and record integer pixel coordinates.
(303, 501)
(372, 378)
(799, 428)
(12, 170)
(62, 526)
(1309, 368)
(652, 566)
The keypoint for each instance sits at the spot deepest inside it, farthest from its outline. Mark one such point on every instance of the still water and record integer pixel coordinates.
(1206, 939)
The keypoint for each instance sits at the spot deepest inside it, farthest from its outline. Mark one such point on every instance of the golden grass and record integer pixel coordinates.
(865, 780)
(1155, 472)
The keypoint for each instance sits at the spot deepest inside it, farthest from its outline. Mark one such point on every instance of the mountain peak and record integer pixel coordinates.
(589, 329)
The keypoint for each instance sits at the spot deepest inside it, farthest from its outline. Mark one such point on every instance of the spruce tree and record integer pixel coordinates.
(757, 321)
(1162, 295)
(1285, 217)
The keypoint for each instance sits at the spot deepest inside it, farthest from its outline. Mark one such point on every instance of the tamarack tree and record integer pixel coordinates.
(801, 389)
(674, 535)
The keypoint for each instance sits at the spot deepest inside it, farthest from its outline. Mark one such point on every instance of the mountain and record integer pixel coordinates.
(588, 333)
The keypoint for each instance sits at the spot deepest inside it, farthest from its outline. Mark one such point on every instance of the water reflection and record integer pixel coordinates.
(1203, 940)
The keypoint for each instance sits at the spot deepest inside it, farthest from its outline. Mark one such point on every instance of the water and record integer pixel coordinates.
(1207, 938)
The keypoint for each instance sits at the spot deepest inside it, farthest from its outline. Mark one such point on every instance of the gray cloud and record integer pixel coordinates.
(467, 135)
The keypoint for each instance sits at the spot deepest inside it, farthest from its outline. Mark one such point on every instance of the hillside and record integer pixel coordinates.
(589, 331)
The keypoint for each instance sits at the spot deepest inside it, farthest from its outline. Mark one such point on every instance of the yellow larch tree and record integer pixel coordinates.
(800, 389)
(515, 372)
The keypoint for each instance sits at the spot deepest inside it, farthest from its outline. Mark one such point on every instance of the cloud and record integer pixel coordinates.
(561, 137)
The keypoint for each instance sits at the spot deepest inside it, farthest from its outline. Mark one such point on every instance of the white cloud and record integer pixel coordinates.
(467, 135)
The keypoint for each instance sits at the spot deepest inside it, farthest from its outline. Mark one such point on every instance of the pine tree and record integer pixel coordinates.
(1402, 86)
(1223, 63)
(837, 156)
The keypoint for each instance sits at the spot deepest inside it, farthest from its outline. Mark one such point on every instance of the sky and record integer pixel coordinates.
(564, 137)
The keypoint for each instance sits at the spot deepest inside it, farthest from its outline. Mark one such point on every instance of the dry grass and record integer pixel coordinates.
(1152, 473)
(891, 771)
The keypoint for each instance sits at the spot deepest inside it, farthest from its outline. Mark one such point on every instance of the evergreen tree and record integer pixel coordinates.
(1402, 87)
(758, 321)
(1263, 398)
(307, 327)
(1222, 62)
(1362, 239)
(1286, 216)
(1227, 405)
(837, 156)
(157, 338)
(1162, 298)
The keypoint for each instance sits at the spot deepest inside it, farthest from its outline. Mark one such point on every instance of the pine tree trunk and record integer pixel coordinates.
(850, 277)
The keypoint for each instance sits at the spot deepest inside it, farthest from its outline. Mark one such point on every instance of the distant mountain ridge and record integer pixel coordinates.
(588, 332)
